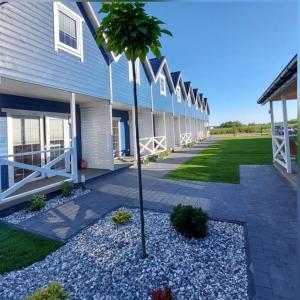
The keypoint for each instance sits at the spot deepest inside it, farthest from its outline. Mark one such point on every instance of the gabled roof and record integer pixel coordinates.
(189, 90)
(159, 64)
(175, 78)
(156, 64)
(195, 93)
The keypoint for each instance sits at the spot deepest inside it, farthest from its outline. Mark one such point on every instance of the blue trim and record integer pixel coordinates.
(124, 130)
(26, 103)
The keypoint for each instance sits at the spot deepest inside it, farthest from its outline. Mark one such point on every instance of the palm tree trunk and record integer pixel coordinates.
(137, 141)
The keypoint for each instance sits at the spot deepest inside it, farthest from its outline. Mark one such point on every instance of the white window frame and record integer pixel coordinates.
(178, 93)
(163, 91)
(137, 71)
(44, 132)
(59, 7)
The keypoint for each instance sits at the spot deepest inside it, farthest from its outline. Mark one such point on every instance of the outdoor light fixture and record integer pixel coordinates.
(82, 181)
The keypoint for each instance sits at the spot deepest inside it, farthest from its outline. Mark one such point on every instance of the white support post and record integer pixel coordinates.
(74, 139)
(133, 134)
(286, 137)
(272, 129)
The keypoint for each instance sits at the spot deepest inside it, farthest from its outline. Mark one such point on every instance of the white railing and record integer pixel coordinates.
(44, 170)
(279, 150)
(152, 145)
(185, 138)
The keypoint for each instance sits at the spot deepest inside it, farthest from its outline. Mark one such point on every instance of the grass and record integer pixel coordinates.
(19, 248)
(220, 161)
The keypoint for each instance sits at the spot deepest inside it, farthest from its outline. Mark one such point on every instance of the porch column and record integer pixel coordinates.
(74, 162)
(286, 137)
(272, 129)
(133, 139)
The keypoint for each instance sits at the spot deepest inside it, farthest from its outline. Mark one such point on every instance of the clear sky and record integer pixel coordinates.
(230, 50)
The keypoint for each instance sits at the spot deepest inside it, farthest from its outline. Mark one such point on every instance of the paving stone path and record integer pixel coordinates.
(263, 199)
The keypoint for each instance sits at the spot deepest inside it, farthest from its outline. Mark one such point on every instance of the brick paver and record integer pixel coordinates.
(264, 201)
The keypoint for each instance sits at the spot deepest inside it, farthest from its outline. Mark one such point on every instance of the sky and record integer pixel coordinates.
(231, 51)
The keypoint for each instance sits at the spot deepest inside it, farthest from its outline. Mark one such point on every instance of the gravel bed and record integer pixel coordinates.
(23, 215)
(103, 262)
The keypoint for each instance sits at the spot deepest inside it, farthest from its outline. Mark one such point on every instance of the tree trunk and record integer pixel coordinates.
(137, 141)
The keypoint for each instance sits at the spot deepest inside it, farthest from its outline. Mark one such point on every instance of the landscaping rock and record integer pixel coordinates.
(103, 262)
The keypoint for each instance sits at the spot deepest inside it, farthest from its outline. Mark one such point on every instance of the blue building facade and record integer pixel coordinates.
(45, 61)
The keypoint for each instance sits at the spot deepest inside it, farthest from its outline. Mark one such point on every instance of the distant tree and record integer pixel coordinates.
(231, 124)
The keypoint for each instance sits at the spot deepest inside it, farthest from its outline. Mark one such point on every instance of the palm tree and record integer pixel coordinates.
(128, 29)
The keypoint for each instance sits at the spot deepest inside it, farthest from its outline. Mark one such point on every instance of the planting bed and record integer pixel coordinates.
(103, 262)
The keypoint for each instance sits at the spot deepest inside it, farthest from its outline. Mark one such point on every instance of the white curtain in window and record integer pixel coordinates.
(67, 25)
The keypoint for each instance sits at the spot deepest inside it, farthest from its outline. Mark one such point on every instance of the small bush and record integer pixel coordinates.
(121, 217)
(164, 294)
(164, 154)
(189, 221)
(54, 291)
(36, 202)
(66, 189)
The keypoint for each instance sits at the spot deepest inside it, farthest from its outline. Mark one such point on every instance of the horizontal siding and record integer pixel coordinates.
(97, 136)
(179, 107)
(160, 102)
(123, 88)
(28, 54)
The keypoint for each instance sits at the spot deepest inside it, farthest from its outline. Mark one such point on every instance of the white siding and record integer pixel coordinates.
(182, 124)
(159, 125)
(145, 124)
(170, 131)
(177, 130)
(96, 132)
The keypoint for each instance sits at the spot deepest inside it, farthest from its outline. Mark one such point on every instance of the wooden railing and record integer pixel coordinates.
(185, 138)
(44, 170)
(152, 145)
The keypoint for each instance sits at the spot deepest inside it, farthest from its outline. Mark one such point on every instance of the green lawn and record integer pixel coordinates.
(220, 161)
(19, 248)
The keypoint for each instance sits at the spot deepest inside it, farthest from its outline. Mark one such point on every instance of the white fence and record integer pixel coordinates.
(185, 138)
(44, 170)
(152, 145)
(281, 154)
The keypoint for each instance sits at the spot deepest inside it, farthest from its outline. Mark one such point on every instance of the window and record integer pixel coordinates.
(137, 71)
(67, 30)
(162, 84)
(197, 105)
(178, 94)
(189, 100)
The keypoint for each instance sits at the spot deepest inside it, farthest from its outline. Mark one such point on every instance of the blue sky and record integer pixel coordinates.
(231, 51)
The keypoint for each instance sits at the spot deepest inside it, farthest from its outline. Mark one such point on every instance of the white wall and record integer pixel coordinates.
(96, 135)
(170, 134)
(177, 130)
(159, 125)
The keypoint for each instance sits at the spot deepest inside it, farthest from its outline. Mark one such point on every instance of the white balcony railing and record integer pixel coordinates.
(152, 145)
(48, 169)
(185, 138)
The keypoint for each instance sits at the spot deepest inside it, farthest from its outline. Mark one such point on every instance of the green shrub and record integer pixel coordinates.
(164, 154)
(150, 158)
(54, 291)
(36, 202)
(66, 189)
(189, 221)
(121, 217)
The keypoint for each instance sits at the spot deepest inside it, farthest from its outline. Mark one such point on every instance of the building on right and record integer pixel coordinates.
(284, 138)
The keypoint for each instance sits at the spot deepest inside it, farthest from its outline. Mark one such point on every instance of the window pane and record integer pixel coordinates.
(67, 30)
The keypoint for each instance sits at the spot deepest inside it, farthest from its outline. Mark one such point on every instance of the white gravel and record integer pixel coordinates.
(103, 262)
(23, 215)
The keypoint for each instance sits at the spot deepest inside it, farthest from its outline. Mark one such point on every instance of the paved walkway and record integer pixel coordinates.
(264, 200)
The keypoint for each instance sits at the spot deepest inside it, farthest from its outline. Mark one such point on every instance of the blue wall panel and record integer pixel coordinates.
(28, 54)
(123, 88)
(124, 130)
(179, 107)
(161, 102)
